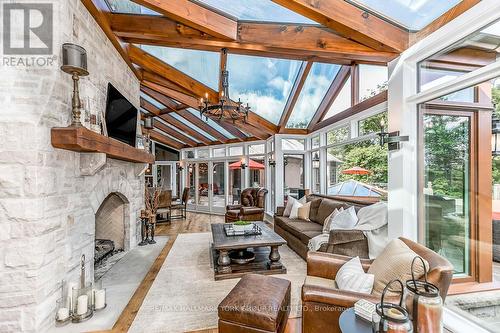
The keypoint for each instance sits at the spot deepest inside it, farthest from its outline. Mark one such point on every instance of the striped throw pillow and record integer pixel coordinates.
(352, 277)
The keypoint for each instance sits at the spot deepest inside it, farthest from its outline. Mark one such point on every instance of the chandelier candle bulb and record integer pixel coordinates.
(82, 304)
(99, 299)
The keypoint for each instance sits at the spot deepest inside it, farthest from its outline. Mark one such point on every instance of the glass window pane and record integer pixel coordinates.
(129, 7)
(293, 175)
(412, 14)
(234, 151)
(256, 149)
(219, 152)
(315, 142)
(293, 144)
(372, 80)
(203, 184)
(342, 102)
(317, 83)
(263, 83)
(257, 10)
(219, 195)
(446, 187)
(257, 169)
(372, 124)
(194, 127)
(200, 65)
(203, 153)
(316, 180)
(235, 181)
(189, 154)
(191, 182)
(213, 124)
(473, 52)
(338, 135)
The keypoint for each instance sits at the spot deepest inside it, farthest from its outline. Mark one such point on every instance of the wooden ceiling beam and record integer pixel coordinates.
(186, 114)
(331, 95)
(100, 12)
(174, 122)
(155, 78)
(352, 22)
(163, 139)
(261, 39)
(194, 15)
(178, 96)
(169, 104)
(294, 95)
(176, 134)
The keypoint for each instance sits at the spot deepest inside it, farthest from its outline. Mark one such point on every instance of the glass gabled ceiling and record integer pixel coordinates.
(256, 10)
(412, 14)
(317, 83)
(263, 83)
(213, 124)
(192, 126)
(129, 7)
(200, 65)
(176, 129)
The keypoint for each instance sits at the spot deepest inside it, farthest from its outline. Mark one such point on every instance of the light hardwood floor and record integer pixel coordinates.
(192, 224)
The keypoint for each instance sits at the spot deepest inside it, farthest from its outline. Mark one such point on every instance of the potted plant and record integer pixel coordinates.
(242, 226)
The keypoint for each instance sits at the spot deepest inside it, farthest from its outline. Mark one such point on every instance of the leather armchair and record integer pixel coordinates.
(252, 206)
(322, 305)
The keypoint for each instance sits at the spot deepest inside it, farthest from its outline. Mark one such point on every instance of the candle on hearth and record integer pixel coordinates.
(99, 299)
(82, 305)
(62, 314)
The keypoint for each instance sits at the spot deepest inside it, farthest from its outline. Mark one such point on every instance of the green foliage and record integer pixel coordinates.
(496, 170)
(368, 155)
(372, 124)
(495, 99)
(242, 223)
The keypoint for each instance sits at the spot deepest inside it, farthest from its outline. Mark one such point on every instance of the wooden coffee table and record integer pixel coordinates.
(264, 246)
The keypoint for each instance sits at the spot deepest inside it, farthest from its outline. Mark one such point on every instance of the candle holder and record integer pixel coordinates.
(99, 296)
(83, 309)
(63, 312)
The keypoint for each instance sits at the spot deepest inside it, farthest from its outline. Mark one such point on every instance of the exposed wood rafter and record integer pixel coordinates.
(163, 139)
(195, 16)
(178, 96)
(294, 95)
(264, 39)
(186, 114)
(351, 22)
(331, 95)
(176, 134)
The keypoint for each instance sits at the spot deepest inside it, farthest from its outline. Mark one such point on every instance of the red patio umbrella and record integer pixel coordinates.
(356, 171)
(252, 165)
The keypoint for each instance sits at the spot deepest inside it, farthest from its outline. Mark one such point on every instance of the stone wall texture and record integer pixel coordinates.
(47, 208)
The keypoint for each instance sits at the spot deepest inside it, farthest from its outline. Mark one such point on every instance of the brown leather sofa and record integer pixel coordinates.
(251, 207)
(323, 303)
(297, 233)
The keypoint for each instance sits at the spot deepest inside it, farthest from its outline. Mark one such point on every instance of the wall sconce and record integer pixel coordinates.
(181, 168)
(148, 127)
(392, 139)
(75, 63)
(243, 166)
(272, 163)
(315, 160)
(495, 136)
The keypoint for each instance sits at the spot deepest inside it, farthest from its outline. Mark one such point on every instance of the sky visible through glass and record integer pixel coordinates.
(257, 10)
(263, 83)
(413, 14)
(317, 83)
(342, 101)
(129, 7)
(200, 65)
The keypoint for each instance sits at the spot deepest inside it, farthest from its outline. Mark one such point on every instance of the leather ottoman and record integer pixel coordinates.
(257, 304)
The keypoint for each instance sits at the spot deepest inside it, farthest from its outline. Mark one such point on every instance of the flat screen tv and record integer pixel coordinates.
(121, 117)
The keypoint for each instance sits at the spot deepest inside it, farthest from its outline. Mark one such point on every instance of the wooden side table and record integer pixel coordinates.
(350, 323)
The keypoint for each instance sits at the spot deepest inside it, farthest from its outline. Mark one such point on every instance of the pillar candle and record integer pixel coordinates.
(62, 314)
(82, 305)
(100, 299)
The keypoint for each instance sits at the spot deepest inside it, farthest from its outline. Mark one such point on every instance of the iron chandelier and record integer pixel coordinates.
(225, 109)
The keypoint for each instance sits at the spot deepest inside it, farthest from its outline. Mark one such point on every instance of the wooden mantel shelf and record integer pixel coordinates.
(81, 139)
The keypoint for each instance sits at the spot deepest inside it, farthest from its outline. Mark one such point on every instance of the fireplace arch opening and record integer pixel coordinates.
(110, 226)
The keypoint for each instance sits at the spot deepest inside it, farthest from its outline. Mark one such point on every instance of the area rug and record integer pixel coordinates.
(184, 296)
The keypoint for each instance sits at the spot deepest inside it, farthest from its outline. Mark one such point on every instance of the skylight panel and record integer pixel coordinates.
(264, 83)
(256, 10)
(202, 66)
(317, 83)
(342, 101)
(129, 7)
(194, 127)
(412, 14)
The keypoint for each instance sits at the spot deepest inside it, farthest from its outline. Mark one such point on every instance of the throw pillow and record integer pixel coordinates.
(288, 207)
(352, 277)
(294, 213)
(303, 200)
(303, 212)
(394, 263)
(247, 200)
(345, 219)
(372, 216)
(328, 220)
